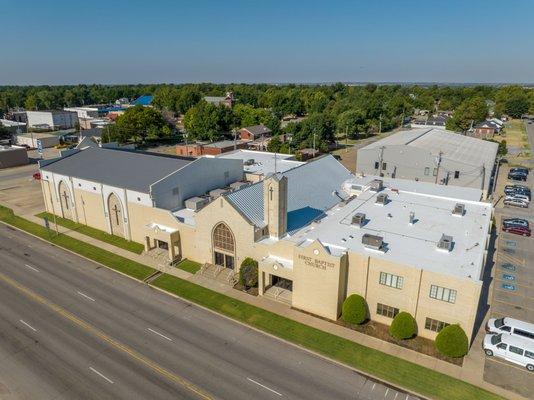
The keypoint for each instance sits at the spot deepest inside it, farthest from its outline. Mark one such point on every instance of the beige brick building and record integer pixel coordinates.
(318, 232)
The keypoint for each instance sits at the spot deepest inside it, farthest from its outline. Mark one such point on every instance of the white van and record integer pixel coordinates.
(511, 326)
(512, 348)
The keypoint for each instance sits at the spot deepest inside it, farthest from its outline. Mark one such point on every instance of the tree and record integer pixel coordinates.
(351, 121)
(275, 144)
(206, 121)
(248, 273)
(354, 310)
(516, 106)
(452, 341)
(4, 132)
(140, 122)
(470, 112)
(403, 326)
(187, 97)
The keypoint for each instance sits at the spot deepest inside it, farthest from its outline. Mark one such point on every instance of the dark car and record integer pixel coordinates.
(516, 230)
(520, 169)
(511, 189)
(517, 176)
(507, 222)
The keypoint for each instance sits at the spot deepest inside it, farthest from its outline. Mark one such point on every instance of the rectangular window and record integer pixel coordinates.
(391, 280)
(523, 333)
(384, 165)
(386, 311)
(435, 172)
(515, 350)
(529, 354)
(443, 294)
(456, 174)
(377, 164)
(427, 171)
(434, 325)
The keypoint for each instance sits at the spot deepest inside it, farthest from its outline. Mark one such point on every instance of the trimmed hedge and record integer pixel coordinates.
(452, 341)
(354, 310)
(248, 273)
(403, 326)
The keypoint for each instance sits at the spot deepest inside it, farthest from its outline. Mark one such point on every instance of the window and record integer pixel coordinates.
(386, 311)
(505, 328)
(391, 280)
(435, 172)
(502, 346)
(456, 174)
(434, 325)
(443, 294)
(175, 191)
(529, 354)
(384, 166)
(377, 165)
(223, 238)
(516, 350)
(427, 171)
(523, 333)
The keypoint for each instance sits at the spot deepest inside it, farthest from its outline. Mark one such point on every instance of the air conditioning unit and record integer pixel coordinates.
(382, 199)
(373, 242)
(445, 243)
(376, 185)
(250, 161)
(238, 185)
(358, 219)
(196, 203)
(459, 209)
(215, 193)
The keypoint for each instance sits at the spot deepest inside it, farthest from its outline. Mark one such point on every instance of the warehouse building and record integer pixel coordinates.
(431, 155)
(318, 232)
(12, 156)
(52, 119)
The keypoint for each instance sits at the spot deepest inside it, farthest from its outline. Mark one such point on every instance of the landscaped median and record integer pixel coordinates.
(392, 369)
(134, 247)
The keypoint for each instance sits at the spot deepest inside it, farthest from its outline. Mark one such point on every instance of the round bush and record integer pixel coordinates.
(354, 309)
(403, 326)
(248, 273)
(452, 341)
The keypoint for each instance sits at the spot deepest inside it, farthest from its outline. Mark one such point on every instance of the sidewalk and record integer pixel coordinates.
(472, 370)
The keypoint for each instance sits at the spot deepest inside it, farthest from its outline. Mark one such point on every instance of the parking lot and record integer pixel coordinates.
(513, 290)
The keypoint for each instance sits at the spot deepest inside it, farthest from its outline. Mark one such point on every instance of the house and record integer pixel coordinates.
(254, 132)
(227, 100)
(209, 148)
(484, 130)
(431, 155)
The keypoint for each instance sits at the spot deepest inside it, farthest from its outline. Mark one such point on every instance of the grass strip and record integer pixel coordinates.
(189, 266)
(393, 369)
(97, 234)
(109, 259)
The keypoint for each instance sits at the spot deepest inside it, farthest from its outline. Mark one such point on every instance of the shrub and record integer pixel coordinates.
(452, 341)
(403, 326)
(354, 309)
(248, 273)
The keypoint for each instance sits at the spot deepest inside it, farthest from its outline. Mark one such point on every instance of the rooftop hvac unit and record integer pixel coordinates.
(238, 185)
(358, 219)
(215, 193)
(250, 161)
(376, 185)
(382, 199)
(373, 242)
(459, 209)
(445, 243)
(196, 203)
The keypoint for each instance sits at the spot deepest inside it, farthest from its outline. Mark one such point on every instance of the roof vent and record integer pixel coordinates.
(445, 243)
(459, 209)
(412, 218)
(376, 185)
(196, 203)
(358, 219)
(373, 242)
(382, 199)
(250, 161)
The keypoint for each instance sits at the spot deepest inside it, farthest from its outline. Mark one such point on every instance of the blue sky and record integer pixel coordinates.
(133, 41)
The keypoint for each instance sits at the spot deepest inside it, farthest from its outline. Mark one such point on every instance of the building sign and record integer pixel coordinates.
(316, 263)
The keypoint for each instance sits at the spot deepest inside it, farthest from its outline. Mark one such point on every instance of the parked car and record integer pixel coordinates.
(511, 326)
(517, 230)
(515, 222)
(517, 176)
(517, 189)
(510, 201)
(511, 348)
(520, 169)
(517, 196)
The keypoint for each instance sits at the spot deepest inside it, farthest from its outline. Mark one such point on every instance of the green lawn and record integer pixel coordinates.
(109, 259)
(134, 247)
(189, 266)
(395, 370)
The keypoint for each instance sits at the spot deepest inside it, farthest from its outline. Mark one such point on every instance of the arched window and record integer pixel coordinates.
(223, 238)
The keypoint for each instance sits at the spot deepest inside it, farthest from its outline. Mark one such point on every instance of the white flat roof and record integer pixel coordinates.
(264, 162)
(410, 245)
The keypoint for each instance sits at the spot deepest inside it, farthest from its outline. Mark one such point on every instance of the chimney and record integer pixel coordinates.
(275, 205)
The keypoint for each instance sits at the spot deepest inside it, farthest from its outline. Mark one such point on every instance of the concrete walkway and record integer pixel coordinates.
(472, 370)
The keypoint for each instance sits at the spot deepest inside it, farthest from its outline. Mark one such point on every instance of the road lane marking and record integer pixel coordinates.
(32, 268)
(28, 325)
(84, 295)
(387, 391)
(160, 334)
(265, 387)
(101, 375)
(108, 339)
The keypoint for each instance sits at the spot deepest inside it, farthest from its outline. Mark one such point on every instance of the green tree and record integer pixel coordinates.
(403, 326)
(351, 121)
(139, 122)
(470, 112)
(187, 97)
(275, 145)
(452, 341)
(517, 106)
(206, 121)
(354, 310)
(248, 273)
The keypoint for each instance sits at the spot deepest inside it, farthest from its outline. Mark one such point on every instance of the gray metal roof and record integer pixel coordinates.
(257, 129)
(119, 168)
(312, 189)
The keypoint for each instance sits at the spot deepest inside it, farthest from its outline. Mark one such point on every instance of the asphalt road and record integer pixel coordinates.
(70, 329)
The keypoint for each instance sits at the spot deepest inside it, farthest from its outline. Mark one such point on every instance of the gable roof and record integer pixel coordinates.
(257, 130)
(120, 168)
(312, 188)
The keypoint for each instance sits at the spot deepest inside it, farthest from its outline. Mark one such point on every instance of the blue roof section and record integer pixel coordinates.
(312, 189)
(144, 100)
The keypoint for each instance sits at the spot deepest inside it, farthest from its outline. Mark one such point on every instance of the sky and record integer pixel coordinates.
(165, 41)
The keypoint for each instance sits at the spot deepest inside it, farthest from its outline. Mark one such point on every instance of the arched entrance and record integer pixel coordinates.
(65, 200)
(116, 217)
(223, 246)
